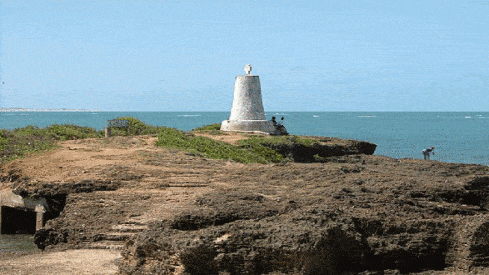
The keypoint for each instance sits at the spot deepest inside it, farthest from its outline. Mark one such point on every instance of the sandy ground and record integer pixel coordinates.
(102, 159)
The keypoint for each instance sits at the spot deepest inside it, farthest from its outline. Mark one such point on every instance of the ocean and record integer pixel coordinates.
(458, 137)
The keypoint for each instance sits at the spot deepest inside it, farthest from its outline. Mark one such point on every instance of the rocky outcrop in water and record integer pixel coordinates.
(325, 148)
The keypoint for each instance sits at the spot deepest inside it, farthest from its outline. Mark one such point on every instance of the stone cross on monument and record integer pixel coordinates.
(248, 69)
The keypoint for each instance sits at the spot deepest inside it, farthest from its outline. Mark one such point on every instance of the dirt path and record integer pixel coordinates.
(75, 158)
(155, 183)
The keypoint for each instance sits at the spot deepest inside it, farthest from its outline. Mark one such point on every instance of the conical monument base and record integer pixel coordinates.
(265, 126)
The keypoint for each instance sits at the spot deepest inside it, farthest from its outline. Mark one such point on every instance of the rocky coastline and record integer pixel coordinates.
(173, 212)
(16, 109)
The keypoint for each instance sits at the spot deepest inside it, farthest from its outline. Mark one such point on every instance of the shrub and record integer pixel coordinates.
(70, 132)
(259, 147)
(250, 153)
(22, 141)
(210, 127)
(136, 127)
(285, 140)
(3, 139)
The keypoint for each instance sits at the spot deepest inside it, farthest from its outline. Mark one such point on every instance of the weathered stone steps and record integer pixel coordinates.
(116, 238)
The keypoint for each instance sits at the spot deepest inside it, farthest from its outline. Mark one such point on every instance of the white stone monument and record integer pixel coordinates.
(247, 113)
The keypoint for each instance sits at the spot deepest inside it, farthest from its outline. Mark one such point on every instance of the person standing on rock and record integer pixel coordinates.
(426, 152)
(274, 121)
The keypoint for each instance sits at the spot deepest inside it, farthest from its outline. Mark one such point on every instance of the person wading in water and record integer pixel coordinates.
(426, 152)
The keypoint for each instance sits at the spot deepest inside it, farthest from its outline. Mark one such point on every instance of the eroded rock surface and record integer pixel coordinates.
(358, 230)
(174, 213)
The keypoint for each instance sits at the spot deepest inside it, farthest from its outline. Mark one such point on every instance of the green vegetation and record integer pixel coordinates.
(251, 152)
(136, 127)
(30, 139)
(69, 132)
(281, 140)
(256, 149)
(210, 127)
(22, 141)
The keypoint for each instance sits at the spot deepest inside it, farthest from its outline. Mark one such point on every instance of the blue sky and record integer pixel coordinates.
(184, 55)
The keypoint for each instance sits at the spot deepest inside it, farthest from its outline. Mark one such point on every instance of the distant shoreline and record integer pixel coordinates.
(8, 110)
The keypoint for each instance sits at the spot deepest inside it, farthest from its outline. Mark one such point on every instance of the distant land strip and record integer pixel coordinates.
(14, 109)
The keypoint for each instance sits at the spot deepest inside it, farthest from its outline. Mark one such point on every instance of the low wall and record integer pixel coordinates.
(265, 126)
(21, 215)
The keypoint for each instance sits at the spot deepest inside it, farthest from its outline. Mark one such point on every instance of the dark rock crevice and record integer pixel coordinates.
(16, 220)
(55, 196)
(320, 152)
(261, 247)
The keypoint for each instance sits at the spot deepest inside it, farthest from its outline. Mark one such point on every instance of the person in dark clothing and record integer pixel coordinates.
(279, 127)
(274, 121)
(426, 152)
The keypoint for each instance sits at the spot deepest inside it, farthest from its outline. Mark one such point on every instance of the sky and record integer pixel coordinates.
(327, 55)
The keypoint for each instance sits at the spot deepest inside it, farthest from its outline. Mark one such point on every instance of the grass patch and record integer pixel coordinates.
(280, 140)
(254, 149)
(70, 132)
(31, 139)
(245, 153)
(212, 129)
(17, 143)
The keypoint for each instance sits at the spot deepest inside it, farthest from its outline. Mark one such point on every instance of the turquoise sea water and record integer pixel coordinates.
(461, 137)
